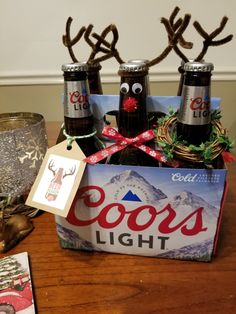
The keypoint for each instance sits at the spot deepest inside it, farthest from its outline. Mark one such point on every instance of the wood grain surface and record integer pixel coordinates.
(66, 281)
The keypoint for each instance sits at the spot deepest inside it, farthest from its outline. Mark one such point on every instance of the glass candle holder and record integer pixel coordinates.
(23, 144)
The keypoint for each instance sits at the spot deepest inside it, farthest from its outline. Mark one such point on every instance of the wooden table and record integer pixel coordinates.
(66, 281)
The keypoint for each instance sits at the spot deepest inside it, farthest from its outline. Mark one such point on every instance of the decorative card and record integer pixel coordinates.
(15, 285)
(58, 179)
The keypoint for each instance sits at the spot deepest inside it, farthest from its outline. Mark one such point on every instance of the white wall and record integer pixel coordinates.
(31, 49)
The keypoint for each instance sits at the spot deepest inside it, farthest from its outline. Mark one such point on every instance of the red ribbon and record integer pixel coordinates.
(122, 142)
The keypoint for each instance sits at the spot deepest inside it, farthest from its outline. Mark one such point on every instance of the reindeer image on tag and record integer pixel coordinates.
(56, 183)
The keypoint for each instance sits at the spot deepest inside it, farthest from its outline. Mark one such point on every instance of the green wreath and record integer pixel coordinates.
(205, 153)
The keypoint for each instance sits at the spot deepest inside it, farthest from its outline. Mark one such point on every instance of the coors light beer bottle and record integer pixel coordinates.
(194, 115)
(132, 116)
(78, 118)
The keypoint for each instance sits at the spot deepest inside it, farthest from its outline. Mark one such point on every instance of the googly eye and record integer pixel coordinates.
(137, 88)
(124, 88)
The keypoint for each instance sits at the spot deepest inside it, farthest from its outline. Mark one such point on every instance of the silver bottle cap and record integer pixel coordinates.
(133, 67)
(75, 67)
(198, 66)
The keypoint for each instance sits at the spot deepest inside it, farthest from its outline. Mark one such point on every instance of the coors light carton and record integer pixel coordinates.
(158, 212)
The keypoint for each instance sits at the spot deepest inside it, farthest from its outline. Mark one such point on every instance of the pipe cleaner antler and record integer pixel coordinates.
(109, 49)
(175, 35)
(208, 38)
(68, 42)
(102, 45)
(183, 43)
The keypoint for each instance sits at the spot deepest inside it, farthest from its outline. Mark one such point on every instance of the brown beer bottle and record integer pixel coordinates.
(78, 118)
(194, 115)
(132, 115)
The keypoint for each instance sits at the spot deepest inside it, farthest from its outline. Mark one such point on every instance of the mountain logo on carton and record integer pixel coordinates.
(131, 186)
(130, 196)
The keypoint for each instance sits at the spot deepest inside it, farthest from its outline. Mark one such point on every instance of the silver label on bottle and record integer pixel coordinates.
(195, 105)
(76, 104)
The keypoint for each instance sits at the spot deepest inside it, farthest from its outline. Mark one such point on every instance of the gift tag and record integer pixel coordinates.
(58, 179)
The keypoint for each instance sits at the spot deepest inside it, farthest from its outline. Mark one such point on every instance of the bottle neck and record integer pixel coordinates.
(197, 78)
(94, 80)
(75, 76)
(78, 119)
(132, 118)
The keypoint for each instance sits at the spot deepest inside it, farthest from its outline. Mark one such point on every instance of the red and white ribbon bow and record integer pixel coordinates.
(122, 142)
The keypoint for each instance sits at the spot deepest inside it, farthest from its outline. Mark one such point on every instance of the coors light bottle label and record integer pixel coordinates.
(195, 105)
(76, 104)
